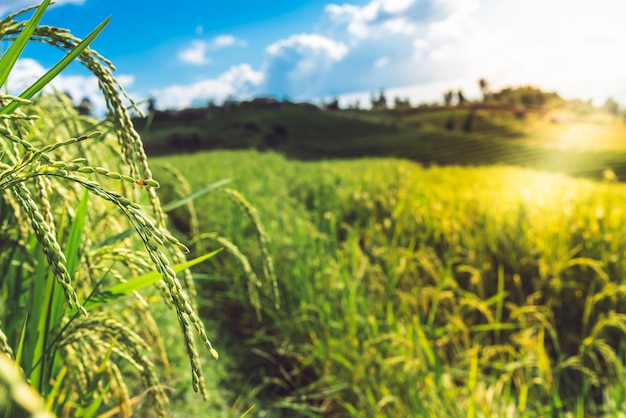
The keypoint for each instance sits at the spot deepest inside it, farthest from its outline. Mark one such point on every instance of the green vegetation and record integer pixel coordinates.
(567, 137)
(407, 291)
(82, 264)
(355, 287)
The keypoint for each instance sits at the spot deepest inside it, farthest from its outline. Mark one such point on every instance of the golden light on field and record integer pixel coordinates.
(567, 130)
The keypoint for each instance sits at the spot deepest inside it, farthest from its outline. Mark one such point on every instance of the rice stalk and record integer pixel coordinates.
(262, 236)
(254, 284)
(16, 396)
(34, 174)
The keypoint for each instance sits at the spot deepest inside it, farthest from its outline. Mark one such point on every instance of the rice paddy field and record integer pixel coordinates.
(410, 291)
(242, 283)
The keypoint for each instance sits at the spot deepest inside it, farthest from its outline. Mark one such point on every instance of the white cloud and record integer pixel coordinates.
(299, 65)
(195, 53)
(382, 62)
(239, 80)
(572, 47)
(395, 6)
(569, 46)
(27, 70)
(222, 41)
(375, 19)
(456, 26)
(307, 44)
(15, 5)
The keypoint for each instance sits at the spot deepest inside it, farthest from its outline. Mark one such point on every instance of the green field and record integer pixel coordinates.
(557, 138)
(407, 291)
(328, 264)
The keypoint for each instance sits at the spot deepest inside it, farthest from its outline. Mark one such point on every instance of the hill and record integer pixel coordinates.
(565, 138)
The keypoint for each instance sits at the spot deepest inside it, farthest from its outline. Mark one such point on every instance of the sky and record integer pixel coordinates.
(190, 52)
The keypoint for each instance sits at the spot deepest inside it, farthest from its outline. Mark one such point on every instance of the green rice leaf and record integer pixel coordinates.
(180, 202)
(140, 282)
(38, 85)
(20, 346)
(9, 59)
(74, 240)
(59, 379)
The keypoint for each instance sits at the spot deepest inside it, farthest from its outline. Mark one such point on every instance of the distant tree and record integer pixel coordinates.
(332, 105)
(484, 88)
(524, 95)
(379, 103)
(611, 106)
(230, 102)
(461, 97)
(401, 103)
(151, 105)
(85, 107)
(540, 98)
(447, 97)
(356, 105)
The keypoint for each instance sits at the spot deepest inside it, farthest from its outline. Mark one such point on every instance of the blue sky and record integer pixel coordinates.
(188, 52)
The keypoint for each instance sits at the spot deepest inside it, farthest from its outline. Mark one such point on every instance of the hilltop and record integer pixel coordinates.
(523, 127)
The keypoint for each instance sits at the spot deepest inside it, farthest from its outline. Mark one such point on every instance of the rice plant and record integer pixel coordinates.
(83, 239)
(407, 291)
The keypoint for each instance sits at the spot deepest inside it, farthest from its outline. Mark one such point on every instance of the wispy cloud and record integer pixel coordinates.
(239, 80)
(223, 41)
(306, 44)
(375, 19)
(196, 53)
(382, 62)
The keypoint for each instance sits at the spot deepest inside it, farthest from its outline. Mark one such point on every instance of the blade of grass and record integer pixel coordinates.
(500, 302)
(54, 392)
(37, 286)
(75, 315)
(472, 381)
(180, 202)
(140, 282)
(8, 60)
(20, 346)
(74, 240)
(54, 71)
(247, 411)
